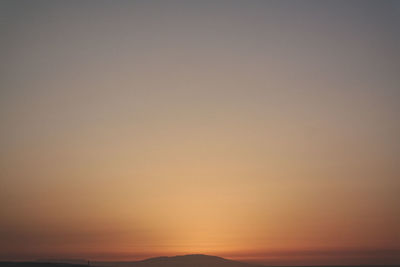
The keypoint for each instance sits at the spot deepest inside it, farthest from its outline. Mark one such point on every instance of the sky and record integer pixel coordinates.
(262, 131)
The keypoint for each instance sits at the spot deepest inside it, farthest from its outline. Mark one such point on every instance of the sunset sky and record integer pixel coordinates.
(263, 131)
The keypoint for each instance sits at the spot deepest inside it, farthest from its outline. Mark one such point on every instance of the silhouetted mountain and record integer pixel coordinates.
(196, 260)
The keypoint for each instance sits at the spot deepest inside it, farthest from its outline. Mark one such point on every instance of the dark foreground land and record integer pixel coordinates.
(37, 264)
(176, 261)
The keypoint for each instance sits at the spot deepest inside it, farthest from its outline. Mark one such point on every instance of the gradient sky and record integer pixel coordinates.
(264, 131)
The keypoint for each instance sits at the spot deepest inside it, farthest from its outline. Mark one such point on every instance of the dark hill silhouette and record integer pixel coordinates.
(195, 260)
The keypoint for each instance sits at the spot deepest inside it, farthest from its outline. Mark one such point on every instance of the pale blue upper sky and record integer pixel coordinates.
(289, 107)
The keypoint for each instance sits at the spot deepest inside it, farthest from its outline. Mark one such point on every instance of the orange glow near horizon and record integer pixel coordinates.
(257, 131)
